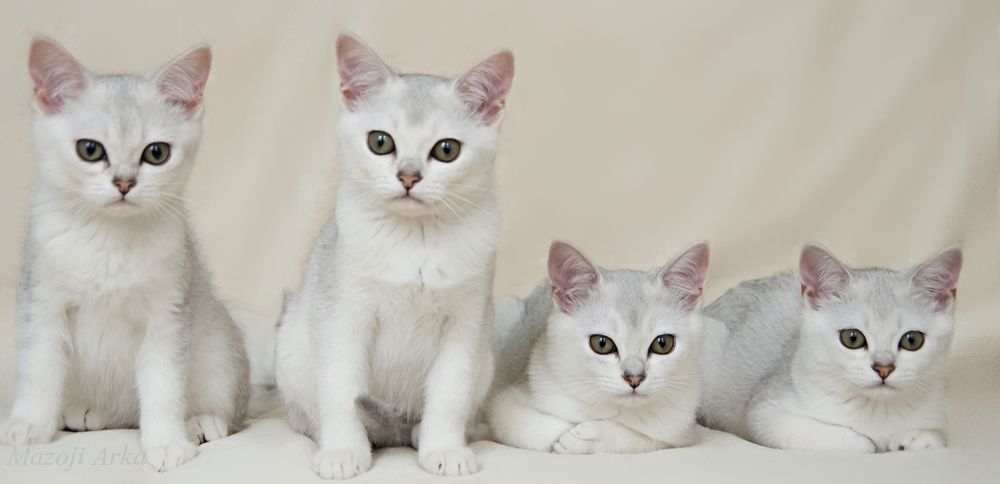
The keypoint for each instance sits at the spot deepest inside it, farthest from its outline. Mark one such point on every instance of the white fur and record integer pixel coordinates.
(396, 303)
(117, 324)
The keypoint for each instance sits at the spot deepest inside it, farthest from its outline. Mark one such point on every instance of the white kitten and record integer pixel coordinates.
(117, 326)
(611, 367)
(837, 359)
(396, 301)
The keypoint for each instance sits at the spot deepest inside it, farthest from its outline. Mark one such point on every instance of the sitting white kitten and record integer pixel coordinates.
(396, 304)
(837, 359)
(117, 326)
(611, 367)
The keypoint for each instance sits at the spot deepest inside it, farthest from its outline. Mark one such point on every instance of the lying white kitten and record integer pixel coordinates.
(117, 326)
(396, 303)
(611, 367)
(837, 359)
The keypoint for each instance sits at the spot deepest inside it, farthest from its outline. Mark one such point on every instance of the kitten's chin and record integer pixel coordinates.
(880, 391)
(123, 209)
(409, 206)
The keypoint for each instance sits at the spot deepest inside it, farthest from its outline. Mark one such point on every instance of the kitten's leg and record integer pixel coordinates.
(340, 352)
(206, 428)
(160, 379)
(450, 399)
(917, 440)
(516, 423)
(42, 368)
(605, 437)
(774, 426)
(79, 417)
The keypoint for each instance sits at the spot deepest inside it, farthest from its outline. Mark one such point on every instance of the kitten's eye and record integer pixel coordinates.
(156, 153)
(602, 345)
(912, 341)
(90, 150)
(381, 143)
(663, 344)
(853, 339)
(446, 150)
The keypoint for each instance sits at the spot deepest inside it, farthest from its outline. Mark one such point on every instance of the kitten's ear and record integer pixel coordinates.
(362, 72)
(823, 276)
(182, 81)
(573, 277)
(56, 75)
(685, 275)
(937, 279)
(484, 88)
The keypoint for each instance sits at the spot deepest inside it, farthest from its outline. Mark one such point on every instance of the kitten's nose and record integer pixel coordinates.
(124, 186)
(883, 370)
(634, 380)
(408, 180)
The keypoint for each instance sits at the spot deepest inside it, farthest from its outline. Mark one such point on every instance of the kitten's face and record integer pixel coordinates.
(631, 337)
(883, 332)
(116, 145)
(417, 144)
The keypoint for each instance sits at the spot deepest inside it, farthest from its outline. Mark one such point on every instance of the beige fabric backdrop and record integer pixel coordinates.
(633, 128)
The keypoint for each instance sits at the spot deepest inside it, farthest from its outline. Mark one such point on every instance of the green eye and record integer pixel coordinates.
(381, 143)
(853, 338)
(663, 344)
(90, 150)
(602, 345)
(912, 341)
(156, 153)
(446, 150)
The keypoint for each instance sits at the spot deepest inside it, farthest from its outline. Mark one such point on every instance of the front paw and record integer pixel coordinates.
(22, 432)
(460, 461)
(78, 419)
(162, 458)
(580, 439)
(342, 463)
(917, 440)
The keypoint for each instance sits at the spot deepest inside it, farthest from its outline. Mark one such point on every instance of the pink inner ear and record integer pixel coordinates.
(685, 275)
(361, 71)
(937, 279)
(823, 276)
(56, 75)
(573, 277)
(485, 87)
(182, 82)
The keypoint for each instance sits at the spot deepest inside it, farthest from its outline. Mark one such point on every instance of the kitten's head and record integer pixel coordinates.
(878, 332)
(625, 336)
(418, 144)
(118, 145)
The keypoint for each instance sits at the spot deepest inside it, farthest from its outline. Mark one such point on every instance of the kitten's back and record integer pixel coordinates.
(751, 333)
(519, 324)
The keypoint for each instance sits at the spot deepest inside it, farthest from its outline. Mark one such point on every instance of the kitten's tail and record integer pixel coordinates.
(386, 426)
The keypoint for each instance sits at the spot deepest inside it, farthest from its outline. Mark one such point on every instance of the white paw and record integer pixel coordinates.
(917, 440)
(79, 418)
(342, 464)
(207, 428)
(162, 458)
(460, 461)
(22, 432)
(580, 439)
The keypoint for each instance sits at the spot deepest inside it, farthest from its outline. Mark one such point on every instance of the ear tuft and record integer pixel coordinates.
(56, 75)
(685, 275)
(573, 277)
(937, 279)
(182, 81)
(484, 88)
(823, 276)
(362, 72)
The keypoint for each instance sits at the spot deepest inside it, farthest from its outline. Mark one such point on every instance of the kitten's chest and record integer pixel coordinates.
(89, 261)
(881, 421)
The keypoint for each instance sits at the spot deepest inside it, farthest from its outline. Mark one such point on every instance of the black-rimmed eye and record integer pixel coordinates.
(381, 143)
(663, 344)
(912, 341)
(156, 153)
(446, 150)
(853, 338)
(90, 151)
(602, 345)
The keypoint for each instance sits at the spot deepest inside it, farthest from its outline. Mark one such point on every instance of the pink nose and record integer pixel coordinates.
(124, 186)
(634, 380)
(883, 370)
(408, 180)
